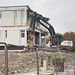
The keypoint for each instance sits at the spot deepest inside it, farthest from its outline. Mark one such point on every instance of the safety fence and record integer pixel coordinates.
(37, 61)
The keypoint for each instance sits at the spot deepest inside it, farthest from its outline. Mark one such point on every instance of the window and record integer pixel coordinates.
(0, 14)
(22, 33)
(6, 34)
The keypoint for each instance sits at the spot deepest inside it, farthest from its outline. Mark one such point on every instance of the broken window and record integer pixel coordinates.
(22, 33)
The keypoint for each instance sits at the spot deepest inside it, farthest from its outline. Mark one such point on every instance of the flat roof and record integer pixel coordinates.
(24, 6)
(14, 6)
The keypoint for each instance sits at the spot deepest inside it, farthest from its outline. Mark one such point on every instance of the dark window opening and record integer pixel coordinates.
(22, 33)
(5, 34)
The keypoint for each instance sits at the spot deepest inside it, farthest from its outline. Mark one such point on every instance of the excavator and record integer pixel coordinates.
(56, 39)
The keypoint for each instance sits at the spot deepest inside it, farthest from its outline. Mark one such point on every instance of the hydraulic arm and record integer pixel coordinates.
(56, 39)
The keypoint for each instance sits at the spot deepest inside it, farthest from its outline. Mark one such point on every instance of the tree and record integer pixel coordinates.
(72, 35)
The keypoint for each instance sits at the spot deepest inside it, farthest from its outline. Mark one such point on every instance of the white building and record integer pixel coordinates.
(14, 26)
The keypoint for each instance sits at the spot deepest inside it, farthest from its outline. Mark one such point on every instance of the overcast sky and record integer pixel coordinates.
(60, 12)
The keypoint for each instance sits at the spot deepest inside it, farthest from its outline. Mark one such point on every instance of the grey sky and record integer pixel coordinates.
(60, 12)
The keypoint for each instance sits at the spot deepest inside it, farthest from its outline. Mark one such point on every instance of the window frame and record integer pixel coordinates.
(22, 33)
(5, 33)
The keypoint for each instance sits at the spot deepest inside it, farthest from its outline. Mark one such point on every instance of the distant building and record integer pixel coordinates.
(67, 43)
(14, 26)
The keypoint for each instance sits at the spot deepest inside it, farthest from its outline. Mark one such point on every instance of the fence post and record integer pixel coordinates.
(66, 63)
(74, 70)
(55, 62)
(37, 61)
(6, 59)
(73, 58)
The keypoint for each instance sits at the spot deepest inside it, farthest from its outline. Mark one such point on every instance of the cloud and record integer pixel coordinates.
(60, 12)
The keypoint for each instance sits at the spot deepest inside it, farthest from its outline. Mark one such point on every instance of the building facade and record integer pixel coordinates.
(14, 26)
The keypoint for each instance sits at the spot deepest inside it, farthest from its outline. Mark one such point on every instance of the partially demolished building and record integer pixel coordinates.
(14, 27)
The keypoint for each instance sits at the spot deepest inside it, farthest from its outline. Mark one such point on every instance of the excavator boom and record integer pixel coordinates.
(56, 39)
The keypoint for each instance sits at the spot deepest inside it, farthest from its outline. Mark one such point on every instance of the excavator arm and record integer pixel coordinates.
(56, 39)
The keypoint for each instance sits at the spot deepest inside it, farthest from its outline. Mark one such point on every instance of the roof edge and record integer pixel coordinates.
(45, 18)
(14, 6)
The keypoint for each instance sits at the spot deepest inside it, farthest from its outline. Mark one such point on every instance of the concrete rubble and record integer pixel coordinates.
(19, 62)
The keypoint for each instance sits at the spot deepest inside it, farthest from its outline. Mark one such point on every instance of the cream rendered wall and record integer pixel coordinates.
(7, 18)
(23, 40)
(2, 35)
(13, 35)
(23, 17)
(18, 18)
(13, 20)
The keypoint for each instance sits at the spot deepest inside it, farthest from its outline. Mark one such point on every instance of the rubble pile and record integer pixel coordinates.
(26, 62)
(19, 63)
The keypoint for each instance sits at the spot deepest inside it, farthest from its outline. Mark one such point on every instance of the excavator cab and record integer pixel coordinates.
(56, 40)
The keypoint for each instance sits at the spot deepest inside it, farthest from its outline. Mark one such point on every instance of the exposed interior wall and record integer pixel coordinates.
(39, 38)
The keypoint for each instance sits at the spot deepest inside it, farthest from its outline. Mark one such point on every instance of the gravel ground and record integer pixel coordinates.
(23, 62)
(71, 72)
